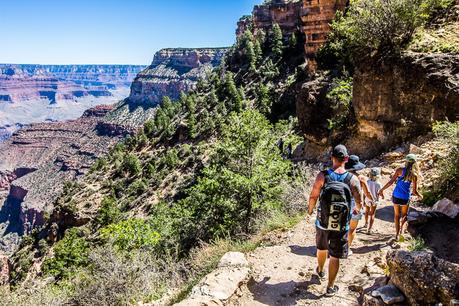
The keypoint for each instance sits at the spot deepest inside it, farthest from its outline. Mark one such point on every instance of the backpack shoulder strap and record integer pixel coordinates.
(326, 174)
(348, 178)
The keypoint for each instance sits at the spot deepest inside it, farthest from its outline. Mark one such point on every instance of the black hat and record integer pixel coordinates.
(340, 152)
(354, 163)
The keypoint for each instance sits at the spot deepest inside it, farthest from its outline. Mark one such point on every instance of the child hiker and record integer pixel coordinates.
(370, 206)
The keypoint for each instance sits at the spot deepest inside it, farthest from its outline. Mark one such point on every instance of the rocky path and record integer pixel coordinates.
(283, 274)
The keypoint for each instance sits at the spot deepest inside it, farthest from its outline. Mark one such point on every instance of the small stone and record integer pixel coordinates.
(289, 268)
(389, 294)
(301, 274)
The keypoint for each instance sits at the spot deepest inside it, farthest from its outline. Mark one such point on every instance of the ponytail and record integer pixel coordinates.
(411, 172)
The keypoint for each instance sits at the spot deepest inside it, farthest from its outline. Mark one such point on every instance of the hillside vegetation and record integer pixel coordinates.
(206, 168)
(206, 174)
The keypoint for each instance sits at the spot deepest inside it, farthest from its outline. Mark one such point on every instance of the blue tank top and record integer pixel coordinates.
(402, 188)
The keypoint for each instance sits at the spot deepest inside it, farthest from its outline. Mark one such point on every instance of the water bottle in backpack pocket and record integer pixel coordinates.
(335, 204)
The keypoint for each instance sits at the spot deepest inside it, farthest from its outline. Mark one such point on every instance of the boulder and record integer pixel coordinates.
(389, 294)
(423, 278)
(219, 285)
(447, 207)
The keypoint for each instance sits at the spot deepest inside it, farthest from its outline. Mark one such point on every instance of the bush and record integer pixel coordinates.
(131, 164)
(340, 97)
(69, 254)
(123, 279)
(376, 28)
(448, 179)
(108, 212)
(131, 234)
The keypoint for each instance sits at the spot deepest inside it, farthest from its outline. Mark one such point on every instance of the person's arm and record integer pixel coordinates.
(357, 193)
(415, 189)
(366, 190)
(315, 192)
(394, 177)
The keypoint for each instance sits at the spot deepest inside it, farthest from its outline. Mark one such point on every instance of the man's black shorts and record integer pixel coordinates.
(334, 242)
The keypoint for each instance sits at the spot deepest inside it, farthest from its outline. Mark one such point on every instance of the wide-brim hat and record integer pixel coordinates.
(375, 172)
(354, 164)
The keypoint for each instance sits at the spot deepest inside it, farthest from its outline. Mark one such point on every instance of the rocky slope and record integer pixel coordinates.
(37, 160)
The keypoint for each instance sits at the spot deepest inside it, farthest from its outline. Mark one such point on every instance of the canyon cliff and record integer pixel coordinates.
(171, 72)
(37, 160)
(62, 82)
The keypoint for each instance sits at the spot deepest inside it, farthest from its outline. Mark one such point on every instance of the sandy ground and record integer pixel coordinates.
(284, 274)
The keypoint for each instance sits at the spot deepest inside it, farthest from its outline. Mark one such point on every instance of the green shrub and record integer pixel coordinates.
(131, 234)
(138, 187)
(109, 212)
(131, 164)
(69, 254)
(417, 244)
(340, 97)
(446, 182)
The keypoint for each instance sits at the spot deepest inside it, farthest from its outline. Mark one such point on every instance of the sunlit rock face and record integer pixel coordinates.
(171, 72)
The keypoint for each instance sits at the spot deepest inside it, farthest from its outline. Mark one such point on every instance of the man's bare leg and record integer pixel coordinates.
(321, 258)
(333, 268)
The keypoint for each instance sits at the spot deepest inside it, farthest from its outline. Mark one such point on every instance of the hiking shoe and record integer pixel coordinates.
(349, 253)
(320, 274)
(331, 291)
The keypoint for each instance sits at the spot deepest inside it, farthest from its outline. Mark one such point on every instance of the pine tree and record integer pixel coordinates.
(258, 52)
(234, 100)
(293, 42)
(251, 56)
(276, 41)
(191, 111)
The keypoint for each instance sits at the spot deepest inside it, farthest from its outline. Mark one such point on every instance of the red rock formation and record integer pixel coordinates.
(286, 13)
(317, 16)
(62, 82)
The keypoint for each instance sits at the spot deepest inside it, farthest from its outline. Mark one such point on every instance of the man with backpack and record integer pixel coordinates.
(334, 188)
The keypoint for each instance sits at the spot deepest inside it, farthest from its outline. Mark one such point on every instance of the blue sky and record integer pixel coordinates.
(112, 31)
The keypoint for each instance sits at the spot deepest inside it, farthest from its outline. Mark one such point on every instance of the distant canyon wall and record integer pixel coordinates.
(19, 82)
(173, 71)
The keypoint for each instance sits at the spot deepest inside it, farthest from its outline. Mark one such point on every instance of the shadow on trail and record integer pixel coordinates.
(385, 213)
(303, 251)
(286, 293)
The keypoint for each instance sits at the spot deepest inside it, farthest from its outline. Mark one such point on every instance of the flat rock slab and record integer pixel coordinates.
(389, 294)
(221, 284)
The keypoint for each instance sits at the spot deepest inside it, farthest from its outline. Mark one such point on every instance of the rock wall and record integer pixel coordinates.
(316, 17)
(286, 13)
(62, 82)
(171, 72)
(401, 99)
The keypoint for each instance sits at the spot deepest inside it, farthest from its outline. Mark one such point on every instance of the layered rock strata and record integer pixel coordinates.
(62, 82)
(316, 16)
(37, 160)
(171, 72)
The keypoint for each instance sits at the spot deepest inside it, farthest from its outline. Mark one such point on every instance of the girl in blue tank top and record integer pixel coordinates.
(406, 183)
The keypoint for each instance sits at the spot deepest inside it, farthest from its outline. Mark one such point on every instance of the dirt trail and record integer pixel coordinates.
(284, 274)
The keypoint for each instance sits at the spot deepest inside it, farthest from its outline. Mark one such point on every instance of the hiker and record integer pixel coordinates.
(354, 165)
(280, 145)
(289, 151)
(407, 179)
(370, 205)
(336, 187)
